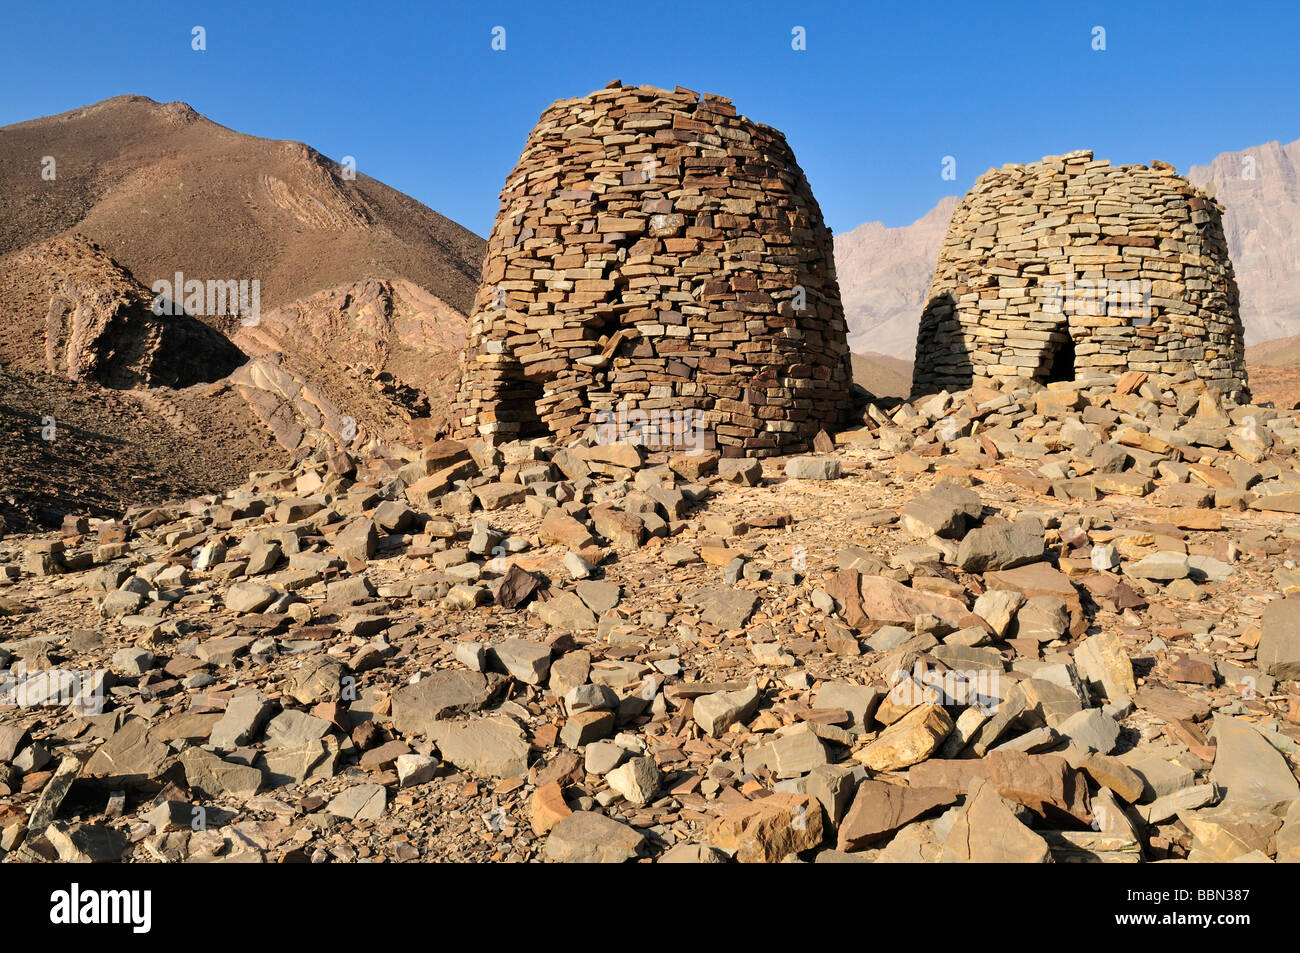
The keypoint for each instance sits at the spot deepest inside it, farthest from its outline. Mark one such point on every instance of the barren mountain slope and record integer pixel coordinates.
(362, 293)
(884, 274)
(163, 189)
(882, 375)
(379, 353)
(72, 311)
(1275, 371)
(87, 449)
(1260, 191)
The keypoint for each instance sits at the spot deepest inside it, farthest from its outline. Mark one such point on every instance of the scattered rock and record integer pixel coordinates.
(584, 837)
(986, 830)
(769, 829)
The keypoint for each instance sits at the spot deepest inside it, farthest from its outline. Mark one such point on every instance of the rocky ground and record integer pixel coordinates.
(1051, 624)
(94, 450)
(1278, 385)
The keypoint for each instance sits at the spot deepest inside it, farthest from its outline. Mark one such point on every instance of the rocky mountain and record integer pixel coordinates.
(1260, 192)
(882, 375)
(91, 319)
(1275, 371)
(162, 190)
(316, 306)
(884, 273)
(378, 356)
(1281, 352)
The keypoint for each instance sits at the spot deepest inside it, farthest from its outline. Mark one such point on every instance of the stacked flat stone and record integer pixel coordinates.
(1024, 232)
(654, 250)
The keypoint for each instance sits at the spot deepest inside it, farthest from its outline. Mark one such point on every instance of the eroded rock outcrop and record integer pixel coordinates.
(99, 324)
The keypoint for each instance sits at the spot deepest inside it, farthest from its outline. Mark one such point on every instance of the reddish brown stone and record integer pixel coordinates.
(880, 809)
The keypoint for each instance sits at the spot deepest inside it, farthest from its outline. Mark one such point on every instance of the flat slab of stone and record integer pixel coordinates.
(130, 756)
(496, 496)
(769, 829)
(1101, 658)
(1159, 775)
(1170, 704)
(188, 725)
(880, 809)
(1044, 783)
(1278, 653)
(361, 802)
(945, 510)
(78, 843)
(566, 611)
(1040, 579)
(1230, 832)
(242, 720)
(813, 468)
(1247, 768)
(493, 747)
(1092, 729)
(1288, 502)
(859, 701)
(284, 766)
(911, 739)
(526, 661)
(796, 752)
(559, 527)
(1160, 567)
(718, 711)
(724, 606)
(250, 596)
(213, 777)
(585, 837)
(292, 729)
(880, 599)
(1001, 546)
(986, 830)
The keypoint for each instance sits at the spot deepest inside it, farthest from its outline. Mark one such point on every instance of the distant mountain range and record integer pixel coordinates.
(1262, 221)
(884, 273)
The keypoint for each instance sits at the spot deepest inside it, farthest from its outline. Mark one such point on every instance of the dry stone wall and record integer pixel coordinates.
(659, 263)
(1071, 267)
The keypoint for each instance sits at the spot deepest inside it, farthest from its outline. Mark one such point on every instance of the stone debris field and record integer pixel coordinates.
(1013, 623)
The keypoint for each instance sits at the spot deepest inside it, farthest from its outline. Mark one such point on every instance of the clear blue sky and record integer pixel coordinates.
(881, 94)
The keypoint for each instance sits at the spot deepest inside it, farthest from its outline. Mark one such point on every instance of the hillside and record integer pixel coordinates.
(882, 375)
(359, 307)
(163, 189)
(884, 274)
(1275, 371)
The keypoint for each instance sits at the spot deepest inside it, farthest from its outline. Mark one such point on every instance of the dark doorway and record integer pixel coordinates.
(1062, 365)
(525, 394)
(514, 401)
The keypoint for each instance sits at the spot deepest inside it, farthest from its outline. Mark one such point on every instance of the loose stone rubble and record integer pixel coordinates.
(1028, 623)
(1072, 264)
(657, 264)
